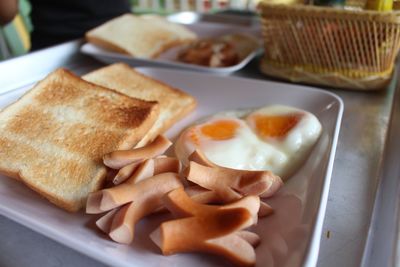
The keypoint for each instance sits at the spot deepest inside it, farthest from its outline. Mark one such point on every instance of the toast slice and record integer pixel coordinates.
(139, 36)
(54, 137)
(174, 103)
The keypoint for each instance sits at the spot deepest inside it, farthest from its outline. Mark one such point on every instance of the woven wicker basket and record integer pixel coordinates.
(332, 47)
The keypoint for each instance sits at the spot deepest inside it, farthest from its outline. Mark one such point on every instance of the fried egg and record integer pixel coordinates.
(276, 138)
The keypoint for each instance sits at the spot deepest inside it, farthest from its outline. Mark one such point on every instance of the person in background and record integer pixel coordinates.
(57, 21)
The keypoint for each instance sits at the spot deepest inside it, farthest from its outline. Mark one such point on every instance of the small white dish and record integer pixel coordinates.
(168, 58)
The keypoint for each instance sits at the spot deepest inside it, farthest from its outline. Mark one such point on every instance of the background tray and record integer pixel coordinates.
(202, 29)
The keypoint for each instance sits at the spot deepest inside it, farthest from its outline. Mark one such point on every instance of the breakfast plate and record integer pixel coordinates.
(290, 237)
(168, 58)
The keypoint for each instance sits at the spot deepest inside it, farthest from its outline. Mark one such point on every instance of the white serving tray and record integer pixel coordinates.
(167, 59)
(290, 237)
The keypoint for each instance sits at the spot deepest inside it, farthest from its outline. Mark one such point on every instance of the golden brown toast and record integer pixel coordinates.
(144, 37)
(174, 103)
(53, 138)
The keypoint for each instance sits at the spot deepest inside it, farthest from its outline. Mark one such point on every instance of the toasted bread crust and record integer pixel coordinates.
(105, 44)
(11, 174)
(54, 136)
(62, 203)
(174, 103)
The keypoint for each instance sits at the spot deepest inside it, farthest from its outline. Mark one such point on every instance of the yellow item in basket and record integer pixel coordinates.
(283, 2)
(380, 5)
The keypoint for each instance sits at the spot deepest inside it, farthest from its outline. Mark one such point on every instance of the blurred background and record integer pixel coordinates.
(15, 36)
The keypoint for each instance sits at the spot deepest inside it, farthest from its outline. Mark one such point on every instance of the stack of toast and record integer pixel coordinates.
(54, 137)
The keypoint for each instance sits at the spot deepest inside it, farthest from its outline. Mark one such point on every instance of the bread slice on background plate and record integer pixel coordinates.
(174, 103)
(54, 137)
(144, 37)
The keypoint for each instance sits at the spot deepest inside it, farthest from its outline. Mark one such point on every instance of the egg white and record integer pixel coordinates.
(248, 151)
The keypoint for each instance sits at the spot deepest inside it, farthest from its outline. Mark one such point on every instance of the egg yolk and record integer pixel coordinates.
(275, 126)
(220, 130)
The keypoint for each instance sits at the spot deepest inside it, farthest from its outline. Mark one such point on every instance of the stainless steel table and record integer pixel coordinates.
(355, 179)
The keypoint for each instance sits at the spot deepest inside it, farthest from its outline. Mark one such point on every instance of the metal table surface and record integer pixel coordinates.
(351, 198)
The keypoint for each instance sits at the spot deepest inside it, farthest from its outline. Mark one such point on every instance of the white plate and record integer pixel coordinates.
(202, 29)
(290, 237)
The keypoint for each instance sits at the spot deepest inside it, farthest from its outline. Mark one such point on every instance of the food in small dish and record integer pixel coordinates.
(211, 53)
(224, 51)
(276, 138)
